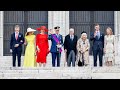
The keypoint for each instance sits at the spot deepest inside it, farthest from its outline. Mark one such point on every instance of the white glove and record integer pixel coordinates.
(59, 46)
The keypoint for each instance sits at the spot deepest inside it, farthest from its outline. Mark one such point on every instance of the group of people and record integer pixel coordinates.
(76, 49)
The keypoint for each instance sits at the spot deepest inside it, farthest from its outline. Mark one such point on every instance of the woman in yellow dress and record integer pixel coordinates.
(29, 59)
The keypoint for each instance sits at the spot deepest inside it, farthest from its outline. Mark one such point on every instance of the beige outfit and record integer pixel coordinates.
(85, 47)
(109, 47)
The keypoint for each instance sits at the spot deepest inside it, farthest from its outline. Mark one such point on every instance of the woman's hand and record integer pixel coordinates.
(104, 50)
(25, 43)
(35, 53)
(38, 49)
(81, 50)
(113, 51)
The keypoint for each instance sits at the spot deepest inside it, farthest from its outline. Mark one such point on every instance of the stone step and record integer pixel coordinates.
(42, 73)
(49, 72)
(7, 61)
(46, 76)
(61, 73)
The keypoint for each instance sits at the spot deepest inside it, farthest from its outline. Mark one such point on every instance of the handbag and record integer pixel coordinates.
(79, 63)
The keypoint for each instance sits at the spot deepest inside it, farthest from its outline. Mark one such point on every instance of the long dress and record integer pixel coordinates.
(109, 47)
(85, 47)
(42, 43)
(29, 59)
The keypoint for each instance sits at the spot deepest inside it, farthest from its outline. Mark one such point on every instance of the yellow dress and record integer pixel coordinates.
(29, 59)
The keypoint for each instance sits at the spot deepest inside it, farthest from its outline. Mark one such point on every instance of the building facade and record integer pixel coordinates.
(79, 20)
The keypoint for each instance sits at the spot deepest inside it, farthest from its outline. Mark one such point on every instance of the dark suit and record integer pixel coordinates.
(98, 45)
(70, 45)
(16, 50)
(53, 50)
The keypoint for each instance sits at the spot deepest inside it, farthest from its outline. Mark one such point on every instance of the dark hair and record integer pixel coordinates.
(27, 33)
(96, 24)
(17, 26)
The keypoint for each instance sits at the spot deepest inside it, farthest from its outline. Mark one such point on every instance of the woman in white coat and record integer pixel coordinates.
(83, 46)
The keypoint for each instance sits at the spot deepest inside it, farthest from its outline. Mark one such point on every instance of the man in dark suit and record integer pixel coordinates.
(16, 42)
(70, 47)
(57, 43)
(98, 44)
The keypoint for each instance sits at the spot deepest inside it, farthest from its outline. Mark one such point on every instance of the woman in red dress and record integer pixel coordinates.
(42, 46)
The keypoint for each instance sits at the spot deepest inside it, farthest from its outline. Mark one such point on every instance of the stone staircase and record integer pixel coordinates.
(49, 72)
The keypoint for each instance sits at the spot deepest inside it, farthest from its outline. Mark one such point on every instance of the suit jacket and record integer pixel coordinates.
(19, 41)
(53, 46)
(97, 42)
(70, 44)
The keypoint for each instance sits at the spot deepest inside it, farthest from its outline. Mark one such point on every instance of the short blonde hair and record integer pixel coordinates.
(83, 34)
(110, 30)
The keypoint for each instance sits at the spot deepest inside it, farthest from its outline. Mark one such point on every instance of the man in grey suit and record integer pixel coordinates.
(70, 47)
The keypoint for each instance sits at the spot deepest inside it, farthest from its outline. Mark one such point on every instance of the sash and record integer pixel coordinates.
(57, 41)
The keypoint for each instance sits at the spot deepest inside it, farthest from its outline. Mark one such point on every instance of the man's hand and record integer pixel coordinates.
(11, 51)
(59, 46)
(16, 45)
(95, 34)
(21, 41)
(25, 43)
(65, 50)
(51, 31)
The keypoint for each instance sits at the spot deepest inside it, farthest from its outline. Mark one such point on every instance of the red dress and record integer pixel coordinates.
(42, 43)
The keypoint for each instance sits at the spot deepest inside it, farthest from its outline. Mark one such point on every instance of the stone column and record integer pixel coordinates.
(1, 33)
(117, 30)
(117, 23)
(59, 18)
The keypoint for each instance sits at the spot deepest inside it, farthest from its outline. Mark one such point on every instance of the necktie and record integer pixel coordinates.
(98, 35)
(57, 35)
(16, 36)
(71, 37)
